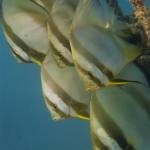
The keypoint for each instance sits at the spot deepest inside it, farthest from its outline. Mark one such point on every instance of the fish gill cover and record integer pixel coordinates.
(94, 61)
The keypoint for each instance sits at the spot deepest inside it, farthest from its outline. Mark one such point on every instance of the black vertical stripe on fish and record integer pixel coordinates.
(112, 129)
(80, 108)
(61, 38)
(61, 57)
(97, 142)
(56, 109)
(20, 43)
(90, 76)
(81, 50)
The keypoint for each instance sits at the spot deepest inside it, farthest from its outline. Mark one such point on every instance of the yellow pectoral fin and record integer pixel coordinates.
(121, 82)
(82, 117)
(111, 83)
(36, 61)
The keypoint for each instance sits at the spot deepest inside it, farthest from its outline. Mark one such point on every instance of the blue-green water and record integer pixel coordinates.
(25, 123)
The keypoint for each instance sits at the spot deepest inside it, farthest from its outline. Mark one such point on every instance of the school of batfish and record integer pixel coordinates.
(87, 51)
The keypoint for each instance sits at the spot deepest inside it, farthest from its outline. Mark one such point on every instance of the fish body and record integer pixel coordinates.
(120, 114)
(59, 24)
(24, 25)
(87, 57)
(100, 48)
(63, 90)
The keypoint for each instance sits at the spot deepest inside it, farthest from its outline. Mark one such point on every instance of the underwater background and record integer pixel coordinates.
(25, 123)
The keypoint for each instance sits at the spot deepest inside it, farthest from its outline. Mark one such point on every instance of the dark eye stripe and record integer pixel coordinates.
(112, 129)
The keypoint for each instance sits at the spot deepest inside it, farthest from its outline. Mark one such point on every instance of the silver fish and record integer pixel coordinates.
(25, 28)
(120, 115)
(63, 90)
(59, 23)
(100, 44)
